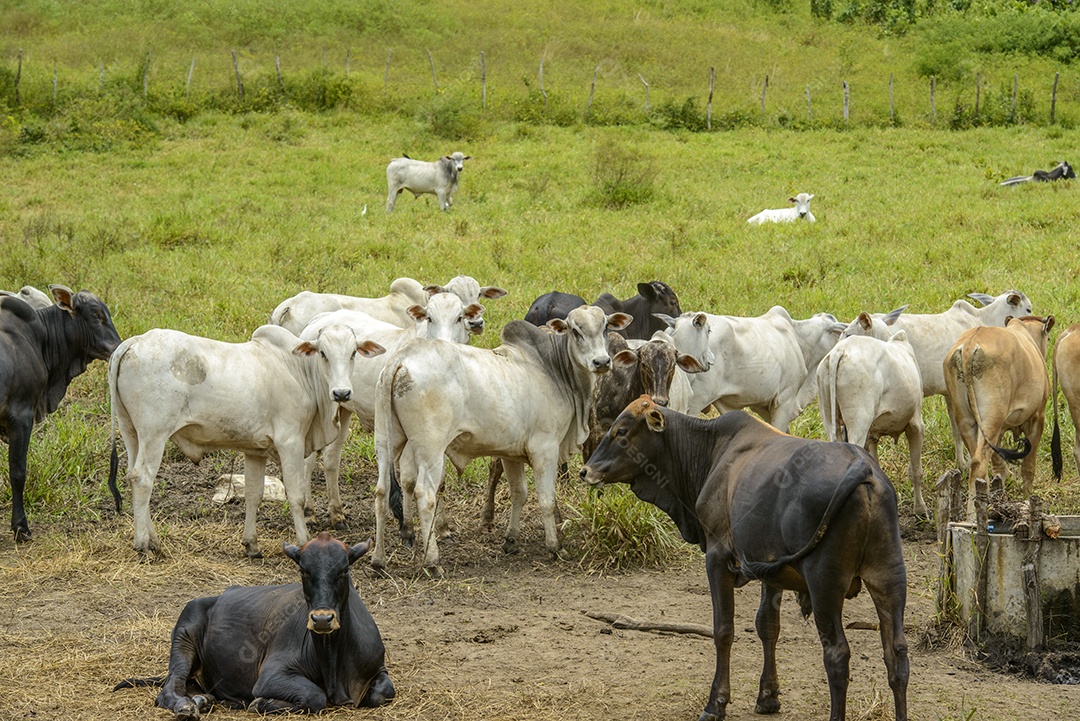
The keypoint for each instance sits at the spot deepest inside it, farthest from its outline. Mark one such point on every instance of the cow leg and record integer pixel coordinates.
(254, 473)
(722, 590)
(519, 490)
(292, 475)
(183, 660)
(331, 456)
(309, 473)
(545, 465)
(828, 604)
(380, 690)
(391, 198)
(278, 690)
(18, 448)
(141, 475)
(382, 504)
(889, 598)
(914, 434)
(768, 630)
(487, 513)
(444, 202)
(960, 446)
(429, 476)
(1033, 431)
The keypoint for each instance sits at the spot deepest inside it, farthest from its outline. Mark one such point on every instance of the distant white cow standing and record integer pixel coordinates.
(870, 387)
(801, 211)
(437, 177)
(272, 397)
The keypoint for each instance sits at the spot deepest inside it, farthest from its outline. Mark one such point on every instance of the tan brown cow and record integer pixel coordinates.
(1067, 370)
(996, 380)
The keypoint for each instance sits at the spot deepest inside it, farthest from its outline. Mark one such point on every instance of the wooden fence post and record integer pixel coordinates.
(708, 106)
(763, 91)
(483, 81)
(542, 91)
(646, 91)
(239, 80)
(277, 66)
(1029, 572)
(946, 587)
(892, 106)
(187, 85)
(386, 73)
(1053, 94)
(809, 107)
(434, 79)
(1016, 83)
(846, 98)
(146, 77)
(592, 91)
(933, 105)
(977, 624)
(18, 76)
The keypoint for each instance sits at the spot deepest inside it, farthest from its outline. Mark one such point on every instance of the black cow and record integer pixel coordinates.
(810, 516)
(41, 352)
(297, 647)
(652, 298)
(1062, 171)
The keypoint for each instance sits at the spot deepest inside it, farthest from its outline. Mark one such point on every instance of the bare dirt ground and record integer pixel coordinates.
(500, 637)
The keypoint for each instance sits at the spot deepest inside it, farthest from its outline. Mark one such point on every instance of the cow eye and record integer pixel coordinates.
(620, 431)
(322, 355)
(577, 333)
(353, 354)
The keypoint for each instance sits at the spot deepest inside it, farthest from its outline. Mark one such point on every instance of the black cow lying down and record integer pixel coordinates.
(297, 647)
(1062, 171)
(814, 517)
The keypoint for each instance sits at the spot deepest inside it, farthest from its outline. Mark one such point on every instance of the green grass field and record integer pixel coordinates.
(204, 221)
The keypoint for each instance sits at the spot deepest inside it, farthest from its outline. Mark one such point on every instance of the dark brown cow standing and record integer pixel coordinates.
(810, 516)
(41, 352)
(297, 647)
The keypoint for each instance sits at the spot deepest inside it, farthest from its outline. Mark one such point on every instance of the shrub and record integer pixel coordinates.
(615, 530)
(622, 177)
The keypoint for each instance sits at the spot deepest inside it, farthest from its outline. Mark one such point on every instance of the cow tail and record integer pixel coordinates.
(1055, 439)
(834, 402)
(857, 474)
(114, 400)
(1022, 448)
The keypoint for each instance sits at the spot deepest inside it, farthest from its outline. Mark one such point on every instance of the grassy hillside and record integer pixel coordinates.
(204, 221)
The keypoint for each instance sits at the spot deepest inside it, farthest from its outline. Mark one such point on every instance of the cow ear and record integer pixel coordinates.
(417, 312)
(356, 552)
(645, 290)
(654, 417)
(1048, 324)
(369, 349)
(983, 298)
(291, 551)
(792, 200)
(1007, 319)
(865, 320)
(836, 328)
(892, 315)
(62, 295)
(701, 320)
(306, 348)
(492, 291)
(618, 321)
(690, 364)
(625, 358)
(557, 326)
(1014, 299)
(899, 336)
(665, 318)
(467, 157)
(473, 311)
(433, 289)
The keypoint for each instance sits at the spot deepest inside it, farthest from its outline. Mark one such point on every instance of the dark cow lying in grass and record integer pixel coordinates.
(1061, 171)
(814, 517)
(297, 647)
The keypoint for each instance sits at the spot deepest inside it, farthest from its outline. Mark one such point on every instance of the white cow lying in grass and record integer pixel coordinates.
(438, 178)
(787, 215)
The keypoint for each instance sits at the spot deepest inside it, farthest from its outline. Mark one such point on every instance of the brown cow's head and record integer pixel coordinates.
(626, 453)
(324, 571)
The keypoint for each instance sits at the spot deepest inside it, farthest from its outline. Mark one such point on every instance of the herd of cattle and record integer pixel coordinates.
(814, 517)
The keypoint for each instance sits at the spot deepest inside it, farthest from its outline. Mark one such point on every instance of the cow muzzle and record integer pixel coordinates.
(341, 395)
(323, 620)
(592, 477)
(601, 365)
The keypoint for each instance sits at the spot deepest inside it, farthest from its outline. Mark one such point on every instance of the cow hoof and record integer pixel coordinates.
(768, 702)
(510, 546)
(23, 535)
(408, 539)
(187, 710)
(253, 550)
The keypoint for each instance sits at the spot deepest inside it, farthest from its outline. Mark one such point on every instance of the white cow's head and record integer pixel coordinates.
(586, 327)
(879, 327)
(470, 292)
(446, 318)
(337, 348)
(690, 333)
(458, 159)
(997, 310)
(802, 203)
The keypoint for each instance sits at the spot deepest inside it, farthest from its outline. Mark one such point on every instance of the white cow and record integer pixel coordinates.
(296, 312)
(272, 397)
(801, 211)
(526, 401)
(869, 388)
(443, 319)
(30, 295)
(766, 363)
(437, 177)
(932, 335)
